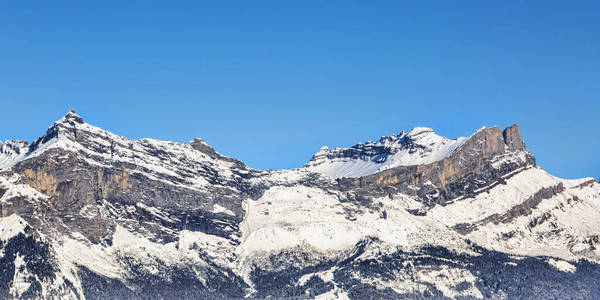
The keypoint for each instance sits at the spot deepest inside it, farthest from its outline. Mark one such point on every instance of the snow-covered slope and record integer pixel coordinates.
(418, 146)
(11, 152)
(85, 213)
(288, 217)
(533, 213)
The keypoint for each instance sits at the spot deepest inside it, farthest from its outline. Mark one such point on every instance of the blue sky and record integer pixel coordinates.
(269, 82)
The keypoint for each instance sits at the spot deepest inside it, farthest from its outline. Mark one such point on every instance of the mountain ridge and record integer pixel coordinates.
(90, 214)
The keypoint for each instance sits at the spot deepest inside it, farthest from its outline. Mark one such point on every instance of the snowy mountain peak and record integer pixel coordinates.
(65, 130)
(420, 130)
(202, 146)
(170, 161)
(420, 145)
(71, 117)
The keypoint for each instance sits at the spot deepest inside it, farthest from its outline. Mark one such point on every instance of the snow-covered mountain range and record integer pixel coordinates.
(85, 213)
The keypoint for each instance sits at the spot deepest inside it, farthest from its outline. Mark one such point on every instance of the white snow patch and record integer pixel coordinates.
(129, 243)
(217, 248)
(220, 209)
(11, 226)
(335, 293)
(517, 157)
(562, 265)
(154, 211)
(326, 276)
(79, 251)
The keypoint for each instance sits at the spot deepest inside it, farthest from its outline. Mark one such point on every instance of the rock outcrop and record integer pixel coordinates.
(487, 158)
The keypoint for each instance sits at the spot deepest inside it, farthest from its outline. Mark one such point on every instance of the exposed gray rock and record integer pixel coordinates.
(463, 174)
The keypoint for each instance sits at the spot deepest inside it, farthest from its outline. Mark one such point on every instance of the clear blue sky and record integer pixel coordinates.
(269, 82)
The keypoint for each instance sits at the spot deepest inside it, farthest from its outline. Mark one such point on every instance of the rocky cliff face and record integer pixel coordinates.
(85, 213)
(487, 158)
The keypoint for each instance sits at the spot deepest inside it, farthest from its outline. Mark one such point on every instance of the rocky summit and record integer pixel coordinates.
(85, 213)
